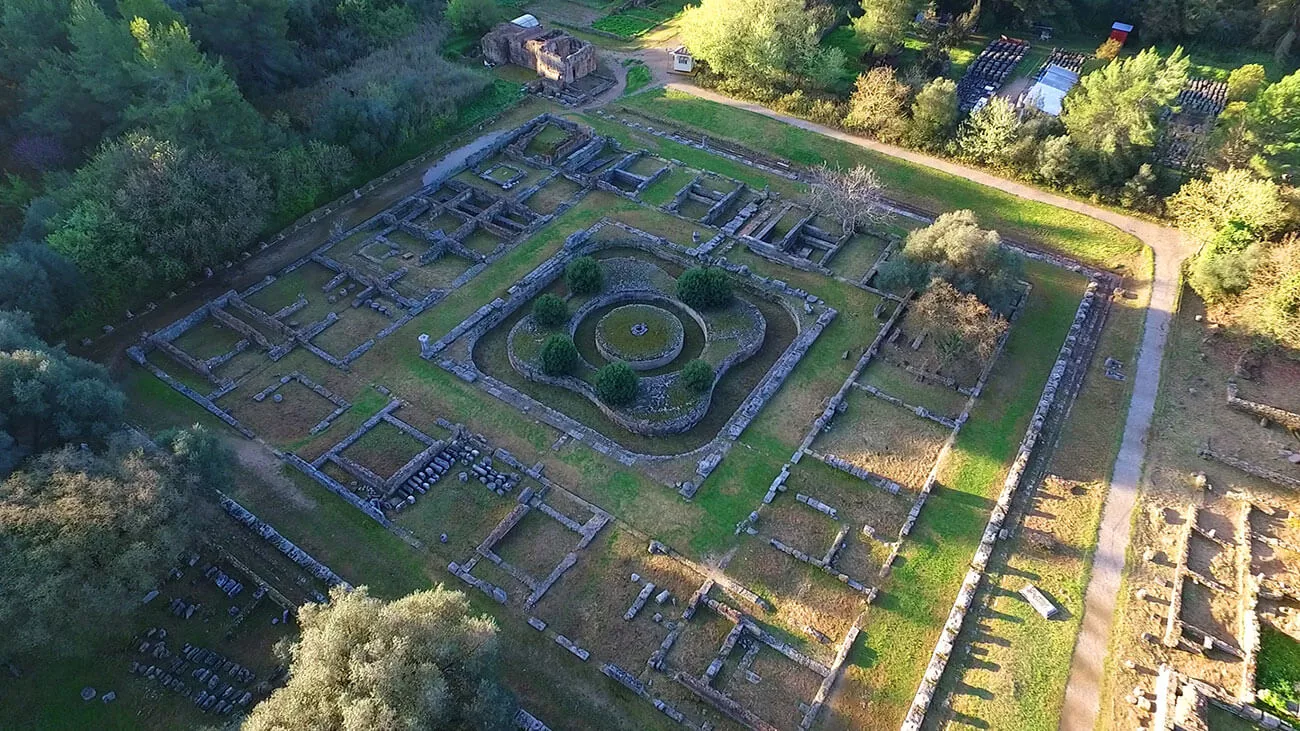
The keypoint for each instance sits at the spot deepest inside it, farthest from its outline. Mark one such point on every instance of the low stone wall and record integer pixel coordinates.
(269, 534)
(1254, 470)
(334, 487)
(1281, 417)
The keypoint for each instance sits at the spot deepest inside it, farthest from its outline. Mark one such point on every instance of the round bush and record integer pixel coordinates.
(698, 375)
(550, 311)
(704, 287)
(616, 384)
(584, 276)
(559, 355)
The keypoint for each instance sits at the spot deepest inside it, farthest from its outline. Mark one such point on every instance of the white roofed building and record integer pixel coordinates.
(1048, 93)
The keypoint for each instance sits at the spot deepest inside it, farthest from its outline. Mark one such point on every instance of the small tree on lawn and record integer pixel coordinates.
(955, 249)
(698, 376)
(550, 311)
(959, 324)
(704, 288)
(559, 355)
(854, 197)
(616, 384)
(584, 276)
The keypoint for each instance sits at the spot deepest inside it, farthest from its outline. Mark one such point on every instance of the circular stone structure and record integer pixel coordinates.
(643, 336)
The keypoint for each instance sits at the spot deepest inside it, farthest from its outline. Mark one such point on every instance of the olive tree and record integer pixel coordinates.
(420, 662)
(853, 197)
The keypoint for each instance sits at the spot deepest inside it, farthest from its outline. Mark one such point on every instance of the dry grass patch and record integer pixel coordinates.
(782, 687)
(800, 594)
(883, 439)
(278, 423)
(858, 503)
(587, 604)
(536, 544)
(383, 449)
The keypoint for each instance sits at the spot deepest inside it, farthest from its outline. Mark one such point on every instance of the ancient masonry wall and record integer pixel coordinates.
(284, 545)
(1251, 469)
(1287, 419)
(1073, 351)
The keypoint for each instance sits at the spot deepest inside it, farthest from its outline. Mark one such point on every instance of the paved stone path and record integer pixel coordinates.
(1083, 693)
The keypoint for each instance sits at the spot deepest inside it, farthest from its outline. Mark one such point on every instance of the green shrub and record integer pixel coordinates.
(704, 287)
(559, 355)
(584, 276)
(616, 383)
(550, 311)
(698, 376)
(638, 77)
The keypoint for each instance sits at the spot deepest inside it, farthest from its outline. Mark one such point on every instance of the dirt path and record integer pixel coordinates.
(1083, 692)
(256, 458)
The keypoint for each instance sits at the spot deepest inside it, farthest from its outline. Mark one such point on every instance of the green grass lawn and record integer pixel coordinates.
(638, 77)
(636, 21)
(1279, 671)
(1070, 233)
(661, 192)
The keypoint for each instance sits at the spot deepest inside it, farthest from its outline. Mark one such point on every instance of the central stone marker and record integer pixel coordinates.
(643, 336)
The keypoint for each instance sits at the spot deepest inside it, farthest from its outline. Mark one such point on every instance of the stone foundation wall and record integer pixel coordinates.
(1281, 417)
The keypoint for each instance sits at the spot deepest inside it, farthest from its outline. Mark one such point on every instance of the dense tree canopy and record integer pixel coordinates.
(697, 375)
(252, 37)
(82, 539)
(988, 134)
(559, 355)
(583, 276)
(704, 288)
(884, 23)
(1268, 306)
(473, 17)
(961, 326)
(877, 104)
(420, 662)
(550, 311)
(40, 282)
(47, 397)
(934, 113)
(1112, 115)
(1204, 207)
(616, 384)
(956, 250)
(85, 83)
(402, 89)
(1273, 124)
(145, 211)
(762, 38)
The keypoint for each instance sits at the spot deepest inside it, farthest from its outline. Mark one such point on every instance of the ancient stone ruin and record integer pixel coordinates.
(560, 60)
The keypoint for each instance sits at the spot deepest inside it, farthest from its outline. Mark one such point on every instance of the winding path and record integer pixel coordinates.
(1083, 692)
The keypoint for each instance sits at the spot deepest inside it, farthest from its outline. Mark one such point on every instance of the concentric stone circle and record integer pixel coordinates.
(642, 335)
